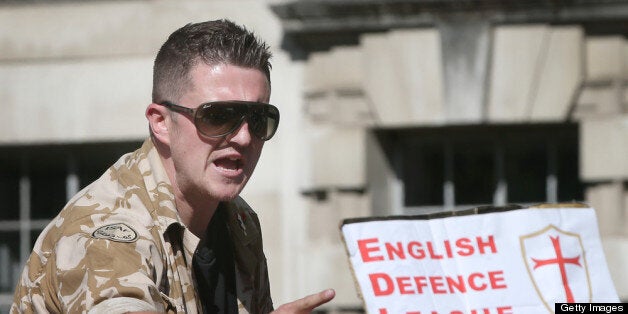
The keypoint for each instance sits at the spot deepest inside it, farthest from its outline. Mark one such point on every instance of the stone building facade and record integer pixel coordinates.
(417, 106)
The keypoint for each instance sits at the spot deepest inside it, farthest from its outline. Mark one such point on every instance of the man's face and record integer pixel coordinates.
(217, 168)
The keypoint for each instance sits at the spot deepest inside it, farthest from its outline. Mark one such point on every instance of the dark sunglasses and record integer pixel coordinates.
(220, 118)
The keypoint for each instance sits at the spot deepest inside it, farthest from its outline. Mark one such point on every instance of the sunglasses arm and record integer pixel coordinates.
(177, 108)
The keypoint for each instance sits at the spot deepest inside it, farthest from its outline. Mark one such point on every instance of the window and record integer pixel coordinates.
(35, 183)
(460, 167)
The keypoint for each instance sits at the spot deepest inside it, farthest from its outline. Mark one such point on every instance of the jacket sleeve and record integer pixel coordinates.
(77, 272)
(90, 271)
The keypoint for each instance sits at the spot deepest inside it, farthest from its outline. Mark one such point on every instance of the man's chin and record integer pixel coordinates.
(228, 198)
(228, 194)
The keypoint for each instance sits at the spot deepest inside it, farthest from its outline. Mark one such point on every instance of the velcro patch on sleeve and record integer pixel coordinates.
(118, 232)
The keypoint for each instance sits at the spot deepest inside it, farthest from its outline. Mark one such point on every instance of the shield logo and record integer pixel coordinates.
(556, 262)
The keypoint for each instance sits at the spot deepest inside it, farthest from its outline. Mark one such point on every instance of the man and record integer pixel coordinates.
(164, 230)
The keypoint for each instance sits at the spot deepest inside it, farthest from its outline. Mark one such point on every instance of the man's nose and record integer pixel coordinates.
(242, 135)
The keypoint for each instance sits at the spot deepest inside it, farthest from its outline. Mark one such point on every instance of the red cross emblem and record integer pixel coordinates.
(555, 260)
(560, 261)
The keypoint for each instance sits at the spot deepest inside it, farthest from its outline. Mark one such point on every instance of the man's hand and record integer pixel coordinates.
(307, 304)
(300, 306)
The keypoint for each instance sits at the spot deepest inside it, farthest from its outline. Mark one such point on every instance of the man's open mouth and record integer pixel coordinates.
(230, 164)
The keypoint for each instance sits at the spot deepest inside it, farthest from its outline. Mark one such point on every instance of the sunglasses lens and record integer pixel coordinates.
(219, 119)
(263, 121)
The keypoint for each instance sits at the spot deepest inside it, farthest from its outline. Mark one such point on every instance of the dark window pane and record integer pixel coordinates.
(526, 171)
(9, 190)
(474, 173)
(570, 188)
(48, 194)
(34, 235)
(95, 159)
(9, 260)
(90, 172)
(517, 155)
(423, 169)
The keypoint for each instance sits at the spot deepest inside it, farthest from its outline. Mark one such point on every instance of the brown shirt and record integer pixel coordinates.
(119, 245)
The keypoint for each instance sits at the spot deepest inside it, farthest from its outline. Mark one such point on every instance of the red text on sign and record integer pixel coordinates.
(497, 310)
(372, 250)
(384, 285)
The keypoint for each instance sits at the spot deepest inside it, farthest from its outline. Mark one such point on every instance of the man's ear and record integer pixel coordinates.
(159, 122)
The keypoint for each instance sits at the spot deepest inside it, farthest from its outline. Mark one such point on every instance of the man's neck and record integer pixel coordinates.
(195, 211)
(196, 218)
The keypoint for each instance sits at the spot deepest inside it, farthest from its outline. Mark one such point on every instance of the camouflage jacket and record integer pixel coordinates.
(119, 245)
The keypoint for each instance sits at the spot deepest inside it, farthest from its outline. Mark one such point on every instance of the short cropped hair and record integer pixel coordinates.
(211, 42)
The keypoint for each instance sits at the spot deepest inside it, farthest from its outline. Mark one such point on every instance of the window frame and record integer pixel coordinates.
(70, 160)
(552, 136)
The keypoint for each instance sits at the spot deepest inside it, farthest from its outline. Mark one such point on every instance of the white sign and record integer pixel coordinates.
(516, 261)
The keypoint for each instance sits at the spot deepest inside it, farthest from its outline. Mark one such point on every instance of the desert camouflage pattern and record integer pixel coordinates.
(119, 245)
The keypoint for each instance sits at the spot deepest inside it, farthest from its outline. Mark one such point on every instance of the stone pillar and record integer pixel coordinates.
(403, 76)
(337, 113)
(536, 73)
(601, 108)
(466, 42)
